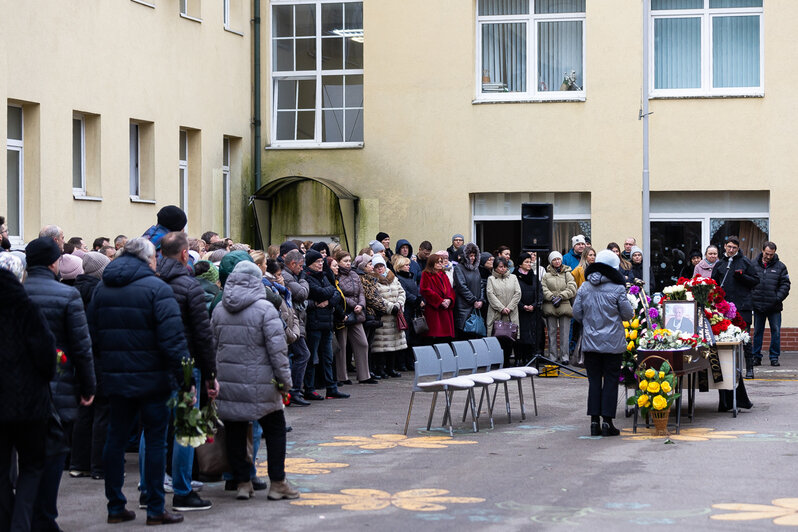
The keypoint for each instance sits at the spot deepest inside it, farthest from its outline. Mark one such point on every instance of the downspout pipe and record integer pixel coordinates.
(644, 114)
(256, 122)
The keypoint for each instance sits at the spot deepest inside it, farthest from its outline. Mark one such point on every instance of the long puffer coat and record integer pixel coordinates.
(62, 306)
(773, 287)
(503, 292)
(350, 285)
(389, 338)
(558, 283)
(601, 305)
(467, 286)
(251, 351)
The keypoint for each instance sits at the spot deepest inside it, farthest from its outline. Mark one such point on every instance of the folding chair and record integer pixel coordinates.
(485, 361)
(451, 365)
(428, 365)
(467, 361)
(498, 357)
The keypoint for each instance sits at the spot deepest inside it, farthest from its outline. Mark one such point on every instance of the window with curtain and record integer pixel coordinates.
(531, 49)
(706, 47)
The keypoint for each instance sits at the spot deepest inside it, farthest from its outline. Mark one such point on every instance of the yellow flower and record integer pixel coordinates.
(635, 323)
(653, 387)
(630, 346)
(666, 387)
(627, 334)
(625, 324)
(660, 403)
(643, 385)
(661, 374)
(650, 373)
(633, 335)
(642, 401)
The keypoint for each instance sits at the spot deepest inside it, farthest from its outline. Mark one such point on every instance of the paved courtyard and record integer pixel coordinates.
(356, 471)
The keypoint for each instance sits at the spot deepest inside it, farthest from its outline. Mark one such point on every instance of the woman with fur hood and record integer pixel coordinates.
(388, 339)
(468, 287)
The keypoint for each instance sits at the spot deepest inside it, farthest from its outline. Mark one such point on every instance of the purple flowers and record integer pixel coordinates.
(634, 290)
(653, 313)
(732, 311)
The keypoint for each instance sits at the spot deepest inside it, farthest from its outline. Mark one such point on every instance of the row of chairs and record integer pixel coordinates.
(464, 366)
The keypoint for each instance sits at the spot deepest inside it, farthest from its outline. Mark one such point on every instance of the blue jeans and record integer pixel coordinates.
(320, 343)
(183, 457)
(154, 419)
(774, 318)
(300, 355)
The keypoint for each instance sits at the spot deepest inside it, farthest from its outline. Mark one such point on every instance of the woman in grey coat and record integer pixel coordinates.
(468, 287)
(601, 306)
(252, 361)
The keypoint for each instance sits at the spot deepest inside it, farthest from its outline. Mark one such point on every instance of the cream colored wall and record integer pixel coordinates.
(123, 60)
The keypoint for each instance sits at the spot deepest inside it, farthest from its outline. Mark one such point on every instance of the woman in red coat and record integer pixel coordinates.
(438, 294)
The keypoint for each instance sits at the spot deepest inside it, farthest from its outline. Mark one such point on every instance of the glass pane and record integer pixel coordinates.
(306, 125)
(332, 53)
(332, 91)
(559, 6)
(354, 125)
(306, 54)
(286, 94)
(226, 152)
(354, 91)
(283, 21)
(332, 19)
(752, 234)
(354, 53)
(332, 126)
(77, 153)
(182, 179)
(503, 7)
(564, 230)
(283, 55)
(286, 123)
(305, 19)
(560, 56)
(676, 4)
(307, 94)
(735, 3)
(13, 168)
(735, 51)
(134, 159)
(677, 53)
(353, 16)
(671, 243)
(504, 57)
(183, 146)
(14, 123)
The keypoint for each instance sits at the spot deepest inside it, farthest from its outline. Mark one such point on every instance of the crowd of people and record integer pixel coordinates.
(97, 339)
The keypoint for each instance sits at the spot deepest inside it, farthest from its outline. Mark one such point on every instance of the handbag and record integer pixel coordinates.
(212, 456)
(475, 324)
(350, 318)
(505, 329)
(401, 322)
(420, 326)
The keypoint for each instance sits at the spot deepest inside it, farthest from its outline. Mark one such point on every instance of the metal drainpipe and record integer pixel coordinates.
(256, 148)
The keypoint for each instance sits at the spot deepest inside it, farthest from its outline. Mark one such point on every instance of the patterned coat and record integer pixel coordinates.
(389, 338)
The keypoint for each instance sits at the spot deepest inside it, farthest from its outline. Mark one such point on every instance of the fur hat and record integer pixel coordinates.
(608, 257)
(554, 255)
(249, 268)
(13, 264)
(94, 263)
(172, 217)
(42, 252)
(70, 266)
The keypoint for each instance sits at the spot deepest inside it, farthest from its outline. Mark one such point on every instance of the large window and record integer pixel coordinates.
(15, 172)
(706, 48)
(317, 73)
(530, 49)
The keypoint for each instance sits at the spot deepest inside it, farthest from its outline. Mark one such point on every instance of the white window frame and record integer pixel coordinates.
(226, 14)
(80, 191)
(182, 169)
(305, 75)
(184, 12)
(226, 186)
(135, 161)
(19, 147)
(532, 93)
(706, 90)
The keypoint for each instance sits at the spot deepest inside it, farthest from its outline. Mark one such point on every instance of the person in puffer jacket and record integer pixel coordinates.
(253, 373)
(388, 339)
(768, 301)
(601, 306)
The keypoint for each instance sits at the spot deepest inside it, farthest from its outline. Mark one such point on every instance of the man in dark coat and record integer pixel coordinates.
(74, 382)
(455, 251)
(768, 297)
(322, 299)
(139, 339)
(173, 269)
(27, 364)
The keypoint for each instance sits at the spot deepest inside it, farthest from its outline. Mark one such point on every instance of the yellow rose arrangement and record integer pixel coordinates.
(655, 389)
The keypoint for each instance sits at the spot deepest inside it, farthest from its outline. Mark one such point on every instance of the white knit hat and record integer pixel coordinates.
(554, 255)
(608, 257)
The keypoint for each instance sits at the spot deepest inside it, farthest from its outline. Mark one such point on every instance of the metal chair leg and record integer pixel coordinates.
(534, 397)
(448, 397)
(521, 398)
(432, 409)
(486, 390)
(507, 402)
(409, 408)
(472, 402)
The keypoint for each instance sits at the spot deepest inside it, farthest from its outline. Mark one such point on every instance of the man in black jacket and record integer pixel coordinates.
(173, 269)
(768, 297)
(74, 382)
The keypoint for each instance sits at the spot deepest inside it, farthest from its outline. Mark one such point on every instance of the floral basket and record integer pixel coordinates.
(660, 419)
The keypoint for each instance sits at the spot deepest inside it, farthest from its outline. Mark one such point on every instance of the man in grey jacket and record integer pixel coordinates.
(298, 351)
(601, 306)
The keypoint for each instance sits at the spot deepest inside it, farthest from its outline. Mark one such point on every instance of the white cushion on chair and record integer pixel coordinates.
(527, 370)
(459, 383)
(498, 375)
(515, 373)
(479, 378)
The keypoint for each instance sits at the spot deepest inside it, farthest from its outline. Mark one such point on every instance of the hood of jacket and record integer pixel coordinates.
(125, 270)
(498, 275)
(467, 250)
(598, 273)
(168, 269)
(402, 242)
(241, 290)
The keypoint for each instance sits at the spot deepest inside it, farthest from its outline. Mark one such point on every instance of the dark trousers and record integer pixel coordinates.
(122, 416)
(45, 508)
(88, 437)
(320, 346)
(300, 355)
(774, 318)
(273, 426)
(603, 371)
(29, 439)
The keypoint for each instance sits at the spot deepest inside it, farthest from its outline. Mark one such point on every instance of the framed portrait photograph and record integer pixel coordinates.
(681, 316)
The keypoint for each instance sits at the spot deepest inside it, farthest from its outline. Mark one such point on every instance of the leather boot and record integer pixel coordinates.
(724, 400)
(749, 368)
(742, 397)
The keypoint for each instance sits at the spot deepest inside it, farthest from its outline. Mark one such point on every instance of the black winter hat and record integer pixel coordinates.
(285, 247)
(172, 217)
(42, 252)
(382, 236)
(312, 256)
(318, 246)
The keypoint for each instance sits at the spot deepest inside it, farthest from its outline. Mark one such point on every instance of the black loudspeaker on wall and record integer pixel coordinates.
(537, 226)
